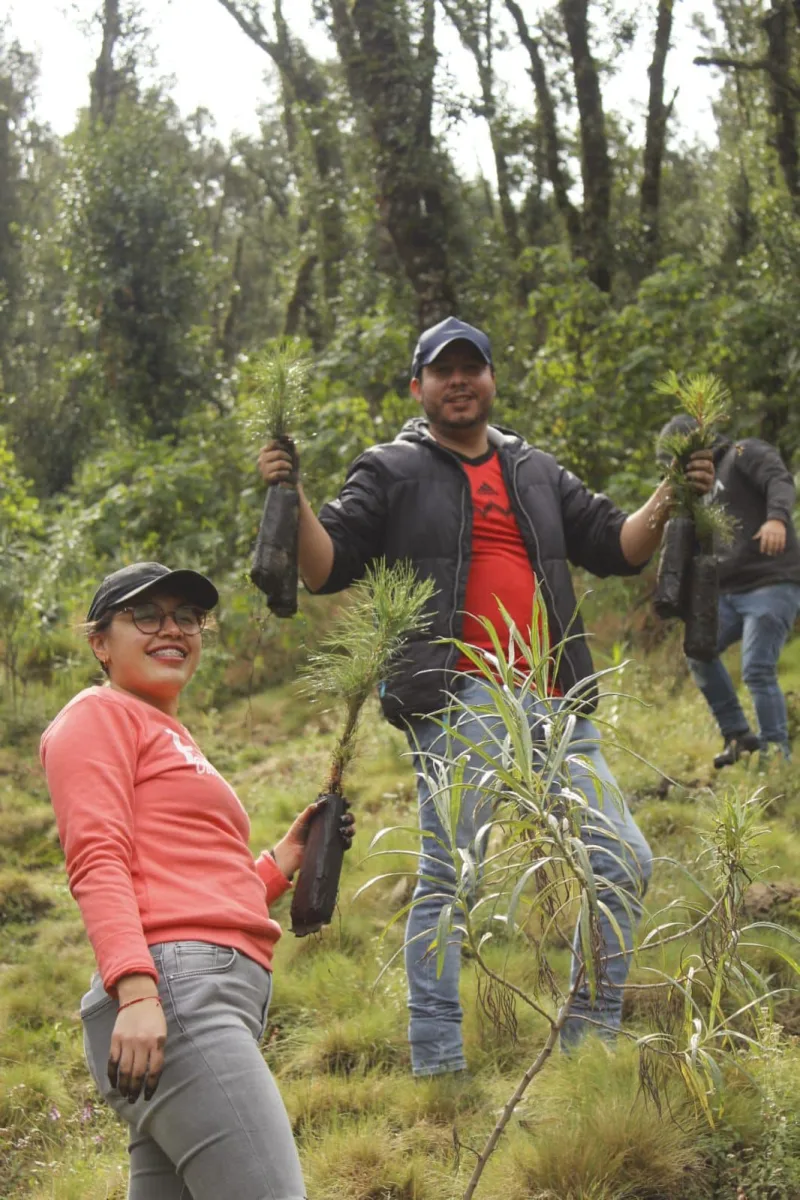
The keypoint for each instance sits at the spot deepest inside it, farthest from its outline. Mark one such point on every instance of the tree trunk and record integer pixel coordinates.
(595, 162)
(783, 103)
(306, 91)
(393, 84)
(479, 42)
(105, 80)
(657, 116)
(301, 300)
(547, 119)
(227, 341)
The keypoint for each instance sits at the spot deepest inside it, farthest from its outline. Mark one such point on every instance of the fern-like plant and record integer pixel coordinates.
(388, 604)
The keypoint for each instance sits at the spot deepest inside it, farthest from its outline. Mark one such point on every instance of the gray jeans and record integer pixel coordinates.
(216, 1125)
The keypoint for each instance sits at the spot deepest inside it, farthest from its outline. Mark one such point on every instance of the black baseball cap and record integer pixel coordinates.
(131, 581)
(433, 341)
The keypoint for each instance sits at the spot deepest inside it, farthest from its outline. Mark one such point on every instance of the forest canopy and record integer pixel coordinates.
(144, 261)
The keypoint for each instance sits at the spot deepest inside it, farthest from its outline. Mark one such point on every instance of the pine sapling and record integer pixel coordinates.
(706, 400)
(278, 397)
(388, 604)
(686, 586)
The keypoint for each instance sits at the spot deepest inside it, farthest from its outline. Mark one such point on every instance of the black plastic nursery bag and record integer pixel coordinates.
(670, 598)
(702, 614)
(315, 892)
(274, 568)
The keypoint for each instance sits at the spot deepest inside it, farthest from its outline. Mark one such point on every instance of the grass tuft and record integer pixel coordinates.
(21, 901)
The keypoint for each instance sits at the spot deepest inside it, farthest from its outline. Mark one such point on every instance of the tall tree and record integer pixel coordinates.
(390, 60)
(307, 100)
(138, 269)
(658, 114)
(475, 22)
(106, 80)
(598, 242)
(17, 82)
(557, 173)
(770, 53)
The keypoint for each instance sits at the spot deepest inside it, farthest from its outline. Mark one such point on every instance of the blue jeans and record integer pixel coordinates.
(434, 1009)
(762, 620)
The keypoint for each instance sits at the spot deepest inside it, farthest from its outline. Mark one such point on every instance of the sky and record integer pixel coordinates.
(213, 65)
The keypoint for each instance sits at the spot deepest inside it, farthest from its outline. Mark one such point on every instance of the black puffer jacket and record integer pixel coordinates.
(410, 499)
(754, 485)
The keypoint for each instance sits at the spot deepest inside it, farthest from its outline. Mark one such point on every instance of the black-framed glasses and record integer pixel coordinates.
(149, 617)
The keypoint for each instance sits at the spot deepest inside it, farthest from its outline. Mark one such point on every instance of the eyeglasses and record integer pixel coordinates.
(150, 617)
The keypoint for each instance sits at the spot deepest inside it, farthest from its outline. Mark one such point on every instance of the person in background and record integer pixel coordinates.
(489, 518)
(175, 907)
(759, 581)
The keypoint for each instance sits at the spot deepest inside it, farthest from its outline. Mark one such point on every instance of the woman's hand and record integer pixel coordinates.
(289, 851)
(136, 1054)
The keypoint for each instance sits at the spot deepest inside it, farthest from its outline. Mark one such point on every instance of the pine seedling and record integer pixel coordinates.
(388, 604)
(706, 399)
(277, 389)
(277, 397)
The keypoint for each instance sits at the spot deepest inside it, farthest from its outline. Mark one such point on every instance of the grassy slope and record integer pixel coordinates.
(366, 1131)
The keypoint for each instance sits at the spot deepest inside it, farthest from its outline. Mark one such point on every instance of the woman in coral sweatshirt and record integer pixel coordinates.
(156, 846)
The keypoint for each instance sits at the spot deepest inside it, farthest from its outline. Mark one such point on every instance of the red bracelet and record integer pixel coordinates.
(138, 1000)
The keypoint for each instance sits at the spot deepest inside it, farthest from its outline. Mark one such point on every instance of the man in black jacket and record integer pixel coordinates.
(759, 581)
(488, 518)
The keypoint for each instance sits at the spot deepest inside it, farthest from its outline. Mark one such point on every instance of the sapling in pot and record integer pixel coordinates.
(359, 653)
(279, 389)
(686, 584)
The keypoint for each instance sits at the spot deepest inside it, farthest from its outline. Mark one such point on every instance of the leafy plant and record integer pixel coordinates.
(538, 877)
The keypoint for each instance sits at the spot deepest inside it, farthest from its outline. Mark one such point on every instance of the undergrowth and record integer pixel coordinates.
(587, 1130)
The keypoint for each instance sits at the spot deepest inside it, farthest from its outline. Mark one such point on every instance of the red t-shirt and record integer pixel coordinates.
(500, 567)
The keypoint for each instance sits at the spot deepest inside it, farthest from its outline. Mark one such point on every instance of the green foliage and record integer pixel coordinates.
(20, 516)
(275, 390)
(388, 606)
(537, 879)
(586, 1130)
(139, 283)
(706, 401)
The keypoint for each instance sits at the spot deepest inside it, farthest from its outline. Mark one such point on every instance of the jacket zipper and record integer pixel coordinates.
(537, 565)
(465, 494)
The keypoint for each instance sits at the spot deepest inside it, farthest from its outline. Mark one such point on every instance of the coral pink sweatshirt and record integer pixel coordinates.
(156, 842)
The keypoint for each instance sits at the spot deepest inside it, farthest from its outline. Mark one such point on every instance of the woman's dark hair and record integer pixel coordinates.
(90, 627)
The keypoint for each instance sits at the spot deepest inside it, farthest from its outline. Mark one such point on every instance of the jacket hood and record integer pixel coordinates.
(416, 429)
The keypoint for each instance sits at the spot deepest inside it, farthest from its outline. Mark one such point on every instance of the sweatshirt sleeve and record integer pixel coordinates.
(272, 877)
(763, 465)
(89, 755)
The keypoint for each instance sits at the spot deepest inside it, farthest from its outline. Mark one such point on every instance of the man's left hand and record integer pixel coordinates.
(699, 471)
(771, 537)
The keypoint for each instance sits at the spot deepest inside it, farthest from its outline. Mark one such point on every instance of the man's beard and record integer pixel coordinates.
(440, 419)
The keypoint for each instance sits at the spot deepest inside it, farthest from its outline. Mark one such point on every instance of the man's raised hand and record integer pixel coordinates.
(699, 471)
(275, 463)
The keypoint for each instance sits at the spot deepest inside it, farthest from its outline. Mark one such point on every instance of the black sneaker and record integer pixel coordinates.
(735, 747)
